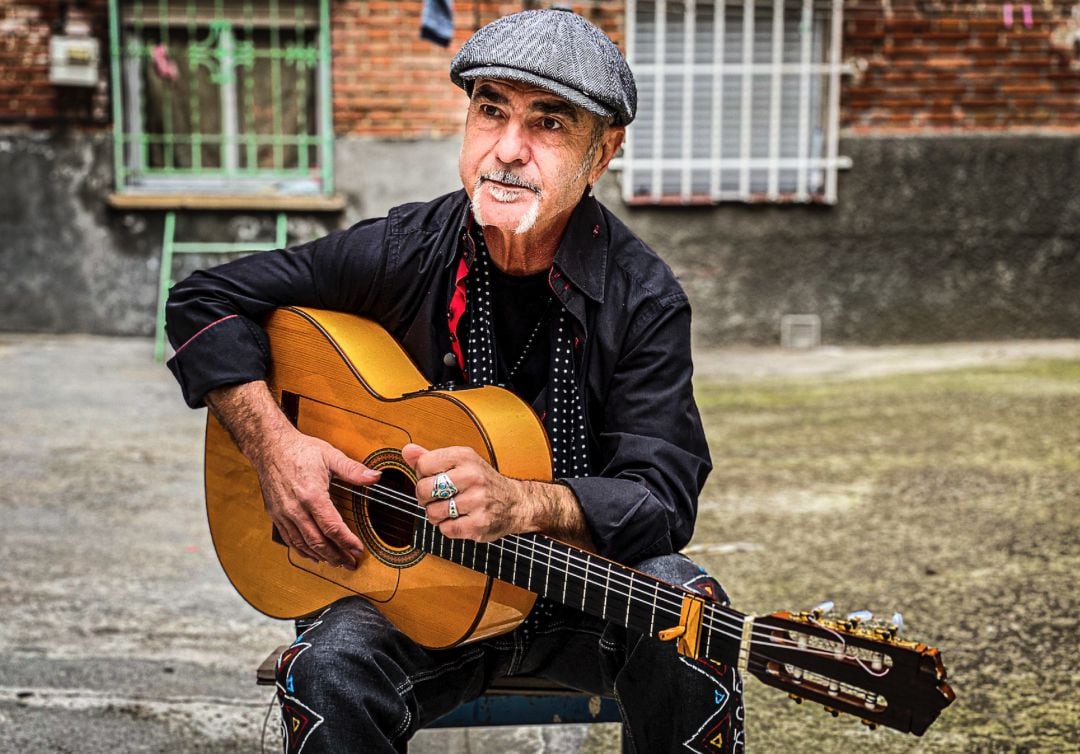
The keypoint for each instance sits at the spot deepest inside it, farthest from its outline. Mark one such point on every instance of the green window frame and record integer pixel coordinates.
(222, 96)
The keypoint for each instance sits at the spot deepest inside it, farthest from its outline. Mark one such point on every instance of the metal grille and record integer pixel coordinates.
(222, 95)
(739, 101)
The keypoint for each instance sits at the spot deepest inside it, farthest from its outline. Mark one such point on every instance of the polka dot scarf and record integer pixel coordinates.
(565, 418)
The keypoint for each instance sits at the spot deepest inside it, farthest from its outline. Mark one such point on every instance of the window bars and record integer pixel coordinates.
(222, 96)
(738, 101)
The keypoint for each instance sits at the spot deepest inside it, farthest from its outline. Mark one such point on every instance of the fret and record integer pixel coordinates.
(532, 559)
(555, 575)
(474, 549)
(517, 557)
(585, 583)
(547, 572)
(607, 591)
(629, 599)
(709, 627)
(566, 580)
(619, 581)
(639, 608)
(652, 617)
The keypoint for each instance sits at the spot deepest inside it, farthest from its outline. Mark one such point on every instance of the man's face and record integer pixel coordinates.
(528, 156)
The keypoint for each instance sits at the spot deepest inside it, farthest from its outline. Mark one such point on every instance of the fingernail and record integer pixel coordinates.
(372, 474)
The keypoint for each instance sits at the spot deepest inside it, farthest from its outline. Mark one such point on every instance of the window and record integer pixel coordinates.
(221, 96)
(739, 101)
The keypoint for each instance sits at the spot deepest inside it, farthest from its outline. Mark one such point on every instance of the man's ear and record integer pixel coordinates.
(613, 139)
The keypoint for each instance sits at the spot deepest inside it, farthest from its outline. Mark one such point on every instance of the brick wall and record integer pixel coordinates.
(961, 66)
(390, 83)
(26, 96)
(387, 81)
(923, 65)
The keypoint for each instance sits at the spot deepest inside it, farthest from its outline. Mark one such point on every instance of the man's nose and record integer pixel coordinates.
(513, 146)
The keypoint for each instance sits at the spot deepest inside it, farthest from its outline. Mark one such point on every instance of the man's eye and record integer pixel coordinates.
(550, 124)
(489, 110)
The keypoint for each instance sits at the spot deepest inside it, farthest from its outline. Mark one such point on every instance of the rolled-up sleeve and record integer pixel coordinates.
(650, 457)
(214, 317)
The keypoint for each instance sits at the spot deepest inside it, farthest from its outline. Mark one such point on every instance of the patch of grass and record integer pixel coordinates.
(952, 496)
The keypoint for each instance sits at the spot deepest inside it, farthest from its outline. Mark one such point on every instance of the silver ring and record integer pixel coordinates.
(453, 508)
(444, 489)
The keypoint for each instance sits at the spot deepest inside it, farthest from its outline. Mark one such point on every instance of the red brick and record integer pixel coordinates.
(945, 36)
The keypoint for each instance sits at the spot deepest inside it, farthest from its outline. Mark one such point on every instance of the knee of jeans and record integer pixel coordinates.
(679, 570)
(343, 641)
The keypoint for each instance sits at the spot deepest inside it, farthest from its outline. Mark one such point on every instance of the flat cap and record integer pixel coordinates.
(556, 50)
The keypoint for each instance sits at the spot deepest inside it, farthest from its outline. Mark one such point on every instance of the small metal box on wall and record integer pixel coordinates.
(73, 61)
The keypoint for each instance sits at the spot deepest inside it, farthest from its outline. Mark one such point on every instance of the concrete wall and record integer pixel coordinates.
(931, 239)
(935, 238)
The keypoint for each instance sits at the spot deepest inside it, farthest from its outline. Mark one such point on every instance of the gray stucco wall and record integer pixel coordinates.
(931, 239)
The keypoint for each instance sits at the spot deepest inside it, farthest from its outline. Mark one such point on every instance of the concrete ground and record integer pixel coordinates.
(120, 632)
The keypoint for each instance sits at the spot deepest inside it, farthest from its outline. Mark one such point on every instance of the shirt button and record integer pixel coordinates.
(450, 360)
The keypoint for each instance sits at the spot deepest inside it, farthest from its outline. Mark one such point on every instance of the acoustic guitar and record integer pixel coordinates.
(342, 378)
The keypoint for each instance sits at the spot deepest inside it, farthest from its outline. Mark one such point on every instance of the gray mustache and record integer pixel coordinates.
(510, 179)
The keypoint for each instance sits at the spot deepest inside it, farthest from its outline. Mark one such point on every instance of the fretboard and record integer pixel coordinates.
(586, 582)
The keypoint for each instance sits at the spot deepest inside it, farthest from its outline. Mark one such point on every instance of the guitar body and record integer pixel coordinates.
(342, 378)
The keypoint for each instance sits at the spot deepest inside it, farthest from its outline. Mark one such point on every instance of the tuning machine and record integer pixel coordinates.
(857, 617)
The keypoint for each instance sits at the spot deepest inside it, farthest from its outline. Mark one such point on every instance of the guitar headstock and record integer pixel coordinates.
(851, 665)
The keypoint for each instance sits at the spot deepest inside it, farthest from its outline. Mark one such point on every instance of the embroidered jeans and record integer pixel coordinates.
(352, 682)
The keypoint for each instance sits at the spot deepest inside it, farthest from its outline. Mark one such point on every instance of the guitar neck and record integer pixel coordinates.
(588, 583)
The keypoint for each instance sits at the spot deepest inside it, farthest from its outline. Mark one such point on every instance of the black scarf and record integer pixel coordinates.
(565, 418)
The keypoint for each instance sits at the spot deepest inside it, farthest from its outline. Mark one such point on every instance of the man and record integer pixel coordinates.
(521, 279)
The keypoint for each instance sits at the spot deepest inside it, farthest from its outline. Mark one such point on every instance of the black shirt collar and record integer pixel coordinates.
(582, 257)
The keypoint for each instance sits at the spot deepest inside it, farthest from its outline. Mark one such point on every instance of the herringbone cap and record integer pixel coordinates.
(556, 50)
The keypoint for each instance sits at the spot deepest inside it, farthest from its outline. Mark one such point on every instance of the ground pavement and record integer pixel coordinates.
(120, 632)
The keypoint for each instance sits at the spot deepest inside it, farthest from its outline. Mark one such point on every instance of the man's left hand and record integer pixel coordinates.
(488, 505)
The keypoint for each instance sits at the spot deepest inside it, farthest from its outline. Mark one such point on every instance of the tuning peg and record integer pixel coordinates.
(898, 621)
(795, 698)
(869, 724)
(822, 608)
(860, 616)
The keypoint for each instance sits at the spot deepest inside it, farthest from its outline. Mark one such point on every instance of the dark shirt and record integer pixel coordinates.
(523, 309)
(647, 448)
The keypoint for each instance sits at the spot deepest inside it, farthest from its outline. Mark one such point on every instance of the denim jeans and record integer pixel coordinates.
(351, 682)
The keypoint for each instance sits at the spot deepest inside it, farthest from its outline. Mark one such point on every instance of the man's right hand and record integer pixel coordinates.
(295, 472)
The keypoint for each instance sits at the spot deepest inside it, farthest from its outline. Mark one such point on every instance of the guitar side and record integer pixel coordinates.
(343, 379)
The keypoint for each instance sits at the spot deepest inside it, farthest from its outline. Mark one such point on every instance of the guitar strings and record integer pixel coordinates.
(407, 505)
(673, 607)
(761, 636)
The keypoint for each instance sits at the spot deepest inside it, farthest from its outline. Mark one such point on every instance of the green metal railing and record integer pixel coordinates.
(170, 247)
(228, 95)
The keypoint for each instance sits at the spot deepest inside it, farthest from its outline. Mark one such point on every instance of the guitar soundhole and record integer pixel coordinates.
(393, 525)
(387, 513)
